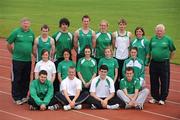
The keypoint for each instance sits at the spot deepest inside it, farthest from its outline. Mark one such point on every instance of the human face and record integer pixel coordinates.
(44, 32)
(64, 27)
(85, 22)
(129, 75)
(139, 33)
(122, 26)
(103, 27)
(66, 55)
(87, 52)
(25, 25)
(42, 78)
(103, 73)
(133, 53)
(45, 56)
(108, 53)
(71, 73)
(160, 32)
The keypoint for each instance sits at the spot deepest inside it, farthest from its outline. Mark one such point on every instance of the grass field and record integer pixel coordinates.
(146, 13)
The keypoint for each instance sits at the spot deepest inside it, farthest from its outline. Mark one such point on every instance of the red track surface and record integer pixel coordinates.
(10, 111)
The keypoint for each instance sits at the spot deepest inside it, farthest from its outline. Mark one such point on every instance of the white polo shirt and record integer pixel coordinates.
(102, 88)
(71, 86)
(48, 66)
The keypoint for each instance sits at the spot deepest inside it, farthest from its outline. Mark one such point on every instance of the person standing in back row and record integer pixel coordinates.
(84, 36)
(121, 44)
(44, 41)
(162, 50)
(22, 38)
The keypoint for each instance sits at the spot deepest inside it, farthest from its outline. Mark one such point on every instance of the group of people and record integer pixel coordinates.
(110, 67)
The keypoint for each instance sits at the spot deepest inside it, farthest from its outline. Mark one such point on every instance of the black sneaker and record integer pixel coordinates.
(139, 107)
(32, 108)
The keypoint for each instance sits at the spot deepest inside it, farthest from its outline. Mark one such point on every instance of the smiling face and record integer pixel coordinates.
(139, 33)
(42, 78)
(25, 25)
(133, 53)
(44, 32)
(64, 27)
(85, 22)
(87, 52)
(66, 55)
(129, 75)
(160, 31)
(45, 56)
(122, 26)
(108, 53)
(103, 26)
(71, 73)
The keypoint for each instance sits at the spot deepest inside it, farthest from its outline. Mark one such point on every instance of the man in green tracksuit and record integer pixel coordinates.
(41, 93)
(20, 44)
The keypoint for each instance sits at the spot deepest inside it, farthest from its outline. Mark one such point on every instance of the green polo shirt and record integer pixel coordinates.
(160, 49)
(131, 86)
(111, 63)
(23, 44)
(102, 41)
(63, 68)
(62, 41)
(87, 68)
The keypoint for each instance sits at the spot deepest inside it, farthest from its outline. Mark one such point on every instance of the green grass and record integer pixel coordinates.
(146, 13)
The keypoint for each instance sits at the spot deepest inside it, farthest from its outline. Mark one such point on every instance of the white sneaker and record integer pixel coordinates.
(66, 107)
(18, 102)
(53, 107)
(113, 107)
(161, 102)
(153, 101)
(24, 100)
(78, 107)
(93, 106)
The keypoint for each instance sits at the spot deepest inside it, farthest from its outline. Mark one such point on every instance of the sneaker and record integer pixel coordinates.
(127, 106)
(139, 107)
(66, 107)
(78, 107)
(153, 101)
(113, 107)
(24, 100)
(18, 102)
(32, 108)
(53, 107)
(93, 106)
(161, 102)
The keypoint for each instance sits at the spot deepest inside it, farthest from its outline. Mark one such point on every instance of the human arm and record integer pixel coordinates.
(116, 75)
(76, 37)
(35, 47)
(52, 52)
(93, 39)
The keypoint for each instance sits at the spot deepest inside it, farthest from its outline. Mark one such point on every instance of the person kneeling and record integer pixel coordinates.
(70, 95)
(102, 92)
(130, 90)
(41, 94)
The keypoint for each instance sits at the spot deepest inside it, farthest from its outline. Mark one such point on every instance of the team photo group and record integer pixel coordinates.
(87, 68)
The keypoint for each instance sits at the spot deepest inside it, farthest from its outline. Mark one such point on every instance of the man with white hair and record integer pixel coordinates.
(162, 50)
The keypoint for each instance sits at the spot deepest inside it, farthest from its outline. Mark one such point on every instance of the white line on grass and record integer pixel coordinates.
(19, 116)
(162, 115)
(101, 118)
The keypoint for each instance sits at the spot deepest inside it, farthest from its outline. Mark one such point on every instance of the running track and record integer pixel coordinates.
(10, 111)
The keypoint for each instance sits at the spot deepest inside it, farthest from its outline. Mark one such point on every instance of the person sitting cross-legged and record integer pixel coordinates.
(41, 94)
(70, 95)
(131, 92)
(102, 92)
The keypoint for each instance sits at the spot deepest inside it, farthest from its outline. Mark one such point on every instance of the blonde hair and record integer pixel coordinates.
(25, 19)
(104, 21)
(160, 26)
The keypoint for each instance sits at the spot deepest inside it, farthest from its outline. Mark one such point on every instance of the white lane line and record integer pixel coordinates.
(162, 115)
(5, 78)
(13, 114)
(6, 67)
(7, 93)
(101, 118)
(5, 50)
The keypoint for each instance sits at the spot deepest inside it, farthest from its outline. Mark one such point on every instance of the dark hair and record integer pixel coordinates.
(67, 50)
(129, 69)
(134, 48)
(88, 47)
(86, 16)
(43, 72)
(122, 20)
(103, 67)
(45, 27)
(43, 51)
(64, 21)
(139, 28)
